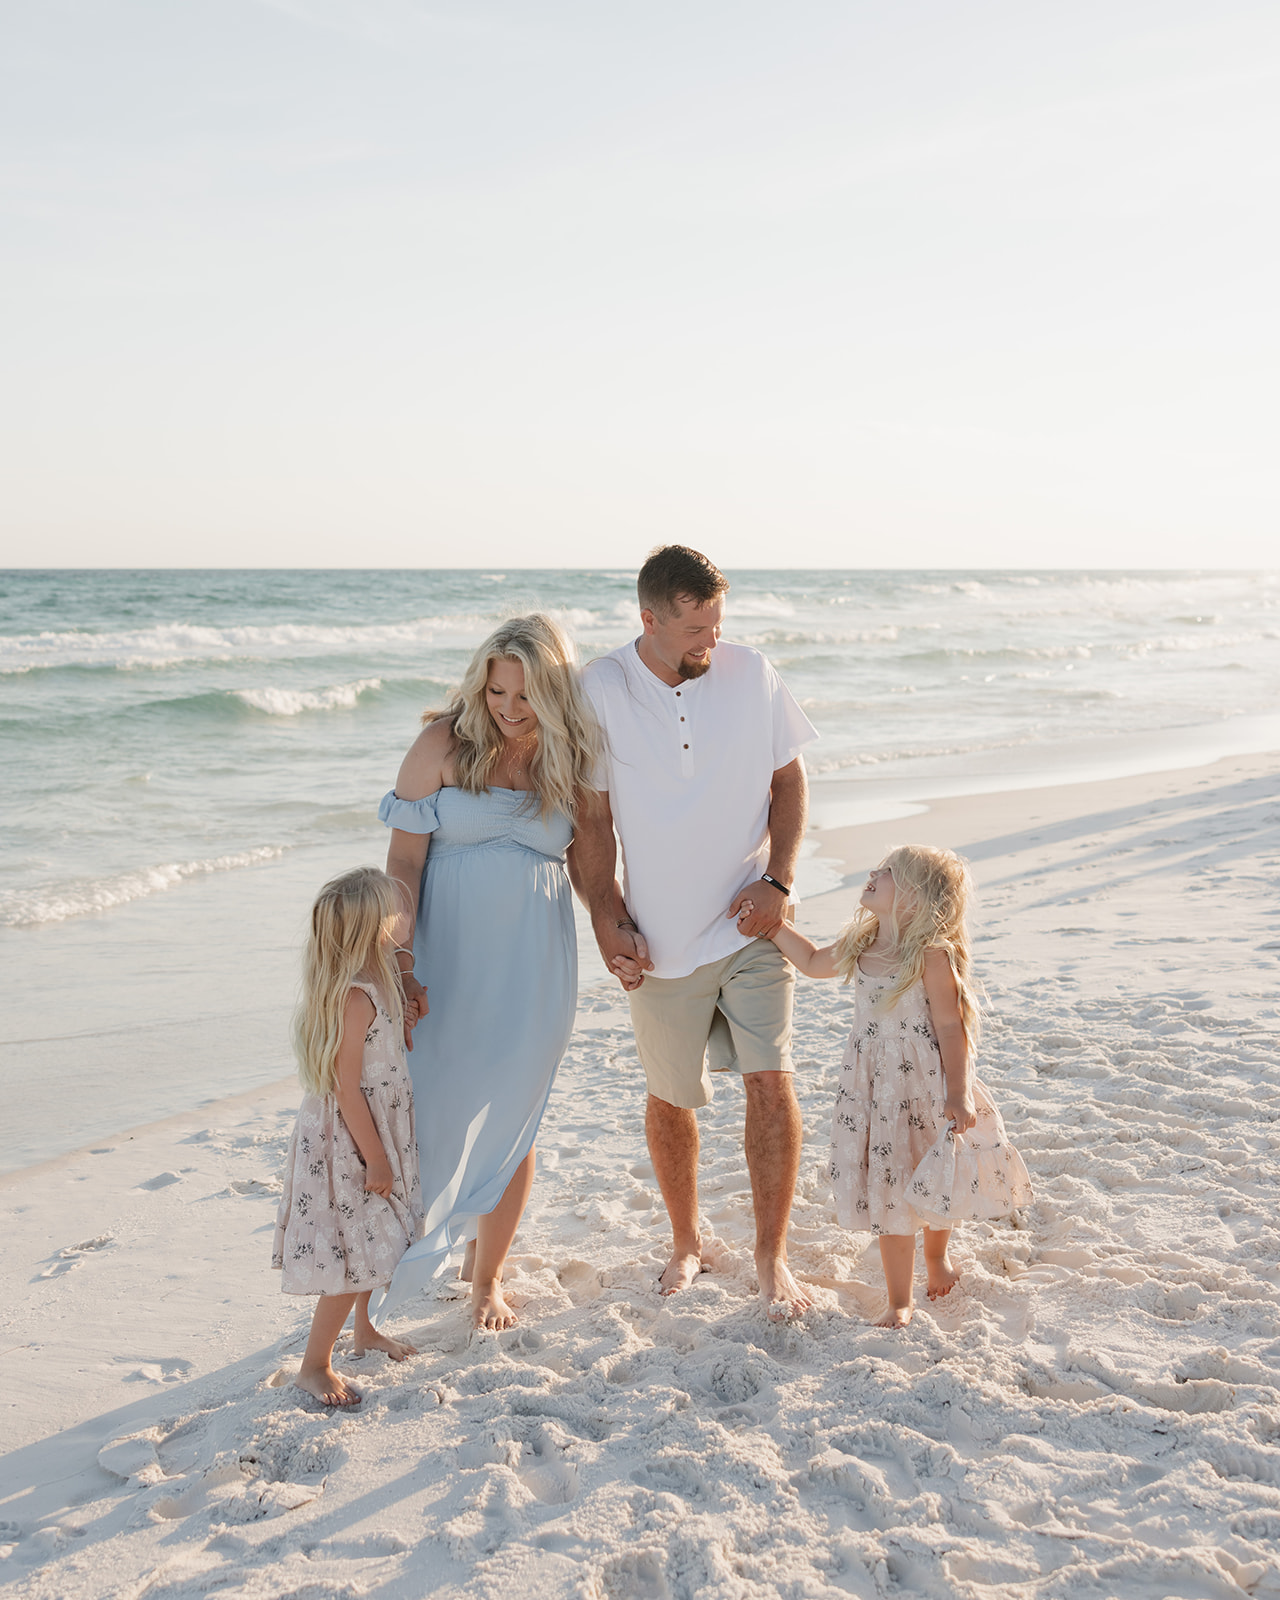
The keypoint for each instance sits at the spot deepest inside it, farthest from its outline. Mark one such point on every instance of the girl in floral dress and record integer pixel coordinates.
(916, 1141)
(351, 1204)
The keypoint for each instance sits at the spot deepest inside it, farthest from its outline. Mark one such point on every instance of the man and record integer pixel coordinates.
(705, 783)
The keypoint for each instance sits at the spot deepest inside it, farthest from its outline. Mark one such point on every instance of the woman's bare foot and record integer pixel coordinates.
(327, 1387)
(782, 1295)
(488, 1307)
(371, 1339)
(895, 1317)
(683, 1267)
(942, 1277)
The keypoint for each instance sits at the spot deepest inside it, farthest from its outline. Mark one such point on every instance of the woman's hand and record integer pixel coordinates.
(377, 1178)
(959, 1107)
(624, 950)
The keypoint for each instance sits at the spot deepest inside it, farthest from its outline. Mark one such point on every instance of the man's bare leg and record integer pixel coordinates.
(489, 1309)
(773, 1137)
(672, 1133)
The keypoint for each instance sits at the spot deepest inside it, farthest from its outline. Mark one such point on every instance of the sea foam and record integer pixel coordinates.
(291, 702)
(26, 908)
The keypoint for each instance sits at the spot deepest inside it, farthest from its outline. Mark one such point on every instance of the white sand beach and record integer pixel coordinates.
(1095, 1412)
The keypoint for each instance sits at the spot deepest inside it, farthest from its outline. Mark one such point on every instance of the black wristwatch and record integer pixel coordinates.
(765, 878)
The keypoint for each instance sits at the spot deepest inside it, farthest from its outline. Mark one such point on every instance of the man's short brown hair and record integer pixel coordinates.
(673, 573)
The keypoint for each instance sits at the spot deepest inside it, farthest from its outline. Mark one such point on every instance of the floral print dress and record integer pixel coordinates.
(896, 1162)
(333, 1236)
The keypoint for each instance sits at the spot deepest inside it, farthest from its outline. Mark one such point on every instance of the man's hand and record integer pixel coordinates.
(624, 950)
(759, 910)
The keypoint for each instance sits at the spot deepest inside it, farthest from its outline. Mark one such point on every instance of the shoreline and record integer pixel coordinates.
(961, 821)
(958, 821)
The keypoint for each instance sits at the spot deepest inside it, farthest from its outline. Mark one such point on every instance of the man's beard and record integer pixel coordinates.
(694, 669)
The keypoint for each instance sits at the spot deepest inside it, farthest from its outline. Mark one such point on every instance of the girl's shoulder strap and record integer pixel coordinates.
(372, 990)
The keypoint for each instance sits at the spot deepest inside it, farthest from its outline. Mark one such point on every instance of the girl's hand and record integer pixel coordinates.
(746, 909)
(415, 1005)
(960, 1109)
(377, 1178)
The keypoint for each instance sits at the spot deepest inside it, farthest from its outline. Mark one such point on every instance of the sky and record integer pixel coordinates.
(827, 283)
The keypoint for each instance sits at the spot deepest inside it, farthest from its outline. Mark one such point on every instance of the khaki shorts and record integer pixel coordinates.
(736, 1011)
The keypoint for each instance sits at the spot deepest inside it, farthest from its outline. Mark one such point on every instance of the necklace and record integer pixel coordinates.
(517, 760)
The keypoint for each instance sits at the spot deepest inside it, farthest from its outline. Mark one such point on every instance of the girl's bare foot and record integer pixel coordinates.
(895, 1317)
(327, 1387)
(371, 1339)
(489, 1309)
(943, 1277)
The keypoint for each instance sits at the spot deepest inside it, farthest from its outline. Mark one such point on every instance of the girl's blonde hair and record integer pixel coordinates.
(569, 743)
(353, 924)
(932, 889)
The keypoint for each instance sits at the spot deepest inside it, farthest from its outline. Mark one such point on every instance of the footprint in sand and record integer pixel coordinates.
(580, 1280)
(162, 1180)
(73, 1255)
(256, 1186)
(128, 1457)
(170, 1369)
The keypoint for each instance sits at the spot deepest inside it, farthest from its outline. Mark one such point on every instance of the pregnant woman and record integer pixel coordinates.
(482, 815)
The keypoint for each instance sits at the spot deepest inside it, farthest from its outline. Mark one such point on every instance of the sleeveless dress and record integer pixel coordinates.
(496, 948)
(332, 1236)
(897, 1163)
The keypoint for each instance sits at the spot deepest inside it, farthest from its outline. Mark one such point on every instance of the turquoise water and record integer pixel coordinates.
(185, 755)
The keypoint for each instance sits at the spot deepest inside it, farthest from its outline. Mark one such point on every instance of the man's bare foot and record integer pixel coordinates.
(782, 1295)
(683, 1267)
(942, 1276)
(488, 1307)
(895, 1317)
(326, 1386)
(371, 1339)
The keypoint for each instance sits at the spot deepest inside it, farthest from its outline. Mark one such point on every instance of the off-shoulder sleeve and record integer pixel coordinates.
(410, 816)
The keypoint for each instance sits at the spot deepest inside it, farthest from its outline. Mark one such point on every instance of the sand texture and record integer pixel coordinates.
(1095, 1412)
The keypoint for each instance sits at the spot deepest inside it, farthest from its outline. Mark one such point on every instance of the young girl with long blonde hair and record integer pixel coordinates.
(916, 1141)
(351, 1204)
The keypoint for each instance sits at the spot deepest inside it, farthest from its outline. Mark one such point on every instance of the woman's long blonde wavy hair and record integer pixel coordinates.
(569, 743)
(353, 925)
(932, 889)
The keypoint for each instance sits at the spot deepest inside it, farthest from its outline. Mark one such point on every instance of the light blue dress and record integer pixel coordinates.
(495, 947)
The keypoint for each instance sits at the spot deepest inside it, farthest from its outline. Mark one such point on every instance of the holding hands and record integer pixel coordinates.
(625, 952)
(759, 910)
(415, 1005)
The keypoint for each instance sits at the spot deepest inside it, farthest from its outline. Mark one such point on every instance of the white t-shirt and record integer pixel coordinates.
(688, 771)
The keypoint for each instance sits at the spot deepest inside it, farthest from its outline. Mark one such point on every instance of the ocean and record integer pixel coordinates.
(186, 755)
